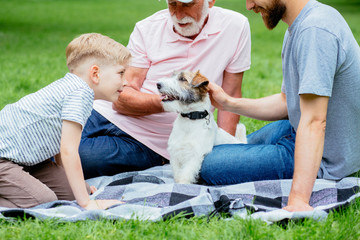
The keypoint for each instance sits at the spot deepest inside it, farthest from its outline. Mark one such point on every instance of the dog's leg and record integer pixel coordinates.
(189, 172)
(176, 167)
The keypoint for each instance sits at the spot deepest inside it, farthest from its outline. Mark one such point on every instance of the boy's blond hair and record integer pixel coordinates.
(97, 46)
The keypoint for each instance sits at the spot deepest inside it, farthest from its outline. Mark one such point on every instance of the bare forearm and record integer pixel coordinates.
(268, 108)
(232, 83)
(309, 148)
(74, 174)
(135, 103)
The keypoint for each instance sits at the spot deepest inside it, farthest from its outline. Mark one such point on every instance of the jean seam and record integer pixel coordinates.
(287, 137)
(117, 131)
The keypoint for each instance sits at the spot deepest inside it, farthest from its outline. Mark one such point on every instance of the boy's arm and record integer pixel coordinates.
(70, 140)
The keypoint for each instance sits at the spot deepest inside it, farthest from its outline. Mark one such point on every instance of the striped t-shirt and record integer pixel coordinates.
(30, 129)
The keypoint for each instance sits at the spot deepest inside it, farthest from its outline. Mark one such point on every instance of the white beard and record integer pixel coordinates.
(195, 27)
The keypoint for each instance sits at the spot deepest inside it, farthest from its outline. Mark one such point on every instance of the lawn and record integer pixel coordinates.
(33, 38)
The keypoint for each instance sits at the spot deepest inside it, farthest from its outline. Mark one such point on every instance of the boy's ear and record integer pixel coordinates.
(94, 74)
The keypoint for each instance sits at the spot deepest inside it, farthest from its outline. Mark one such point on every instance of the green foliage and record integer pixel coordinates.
(33, 38)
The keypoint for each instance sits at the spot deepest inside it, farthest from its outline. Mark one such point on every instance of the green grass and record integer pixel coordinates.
(33, 38)
(343, 224)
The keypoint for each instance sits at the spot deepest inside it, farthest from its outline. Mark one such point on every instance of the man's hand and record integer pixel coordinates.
(297, 205)
(218, 96)
(299, 208)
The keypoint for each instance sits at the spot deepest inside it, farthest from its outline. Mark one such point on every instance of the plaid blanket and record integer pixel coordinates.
(153, 195)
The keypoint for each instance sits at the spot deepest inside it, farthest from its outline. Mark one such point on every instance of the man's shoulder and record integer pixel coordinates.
(322, 16)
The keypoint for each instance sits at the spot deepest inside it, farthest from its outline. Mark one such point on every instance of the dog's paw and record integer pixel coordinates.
(182, 180)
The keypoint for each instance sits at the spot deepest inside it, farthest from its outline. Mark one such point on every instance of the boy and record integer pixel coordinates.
(49, 122)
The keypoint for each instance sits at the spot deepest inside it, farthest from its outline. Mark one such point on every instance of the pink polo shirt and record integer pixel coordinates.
(223, 45)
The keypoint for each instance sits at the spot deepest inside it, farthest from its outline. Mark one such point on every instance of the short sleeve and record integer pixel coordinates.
(77, 106)
(137, 49)
(241, 59)
(317, 55)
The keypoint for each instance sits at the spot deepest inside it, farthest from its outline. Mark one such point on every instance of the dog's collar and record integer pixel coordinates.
(195, 115)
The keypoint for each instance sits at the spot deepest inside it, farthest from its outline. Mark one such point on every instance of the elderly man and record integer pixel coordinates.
(132, 133)
(319, 95)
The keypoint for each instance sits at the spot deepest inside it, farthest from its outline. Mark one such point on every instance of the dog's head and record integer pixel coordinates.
(184, 91)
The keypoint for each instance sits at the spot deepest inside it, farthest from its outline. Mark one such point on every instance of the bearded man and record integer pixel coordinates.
(319, 96)
(132, 133)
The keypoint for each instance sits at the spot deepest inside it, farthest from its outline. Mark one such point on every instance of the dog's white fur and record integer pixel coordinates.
(190, 140)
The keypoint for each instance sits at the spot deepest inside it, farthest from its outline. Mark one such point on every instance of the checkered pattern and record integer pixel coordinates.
(153, 195)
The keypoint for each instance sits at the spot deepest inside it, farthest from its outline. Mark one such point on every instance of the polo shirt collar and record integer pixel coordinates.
(210, 28)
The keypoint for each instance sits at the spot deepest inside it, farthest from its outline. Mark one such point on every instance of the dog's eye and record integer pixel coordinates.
(182, 79)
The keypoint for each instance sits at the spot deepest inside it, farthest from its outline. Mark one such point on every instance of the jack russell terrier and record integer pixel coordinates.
(195, 131)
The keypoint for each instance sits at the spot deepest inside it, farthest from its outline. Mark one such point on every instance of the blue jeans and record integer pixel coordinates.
(269, 155)
(107, 150)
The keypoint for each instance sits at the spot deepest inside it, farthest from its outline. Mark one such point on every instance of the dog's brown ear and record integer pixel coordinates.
(199, 80)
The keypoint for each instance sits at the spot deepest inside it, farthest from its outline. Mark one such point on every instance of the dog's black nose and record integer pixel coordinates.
(158, 85)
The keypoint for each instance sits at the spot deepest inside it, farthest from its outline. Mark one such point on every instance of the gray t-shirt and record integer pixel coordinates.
(321, 56)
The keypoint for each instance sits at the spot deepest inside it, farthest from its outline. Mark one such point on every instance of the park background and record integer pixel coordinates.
(33, 38)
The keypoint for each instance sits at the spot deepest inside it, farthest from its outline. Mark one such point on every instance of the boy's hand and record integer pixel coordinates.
(92, 189)
(101, 204)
